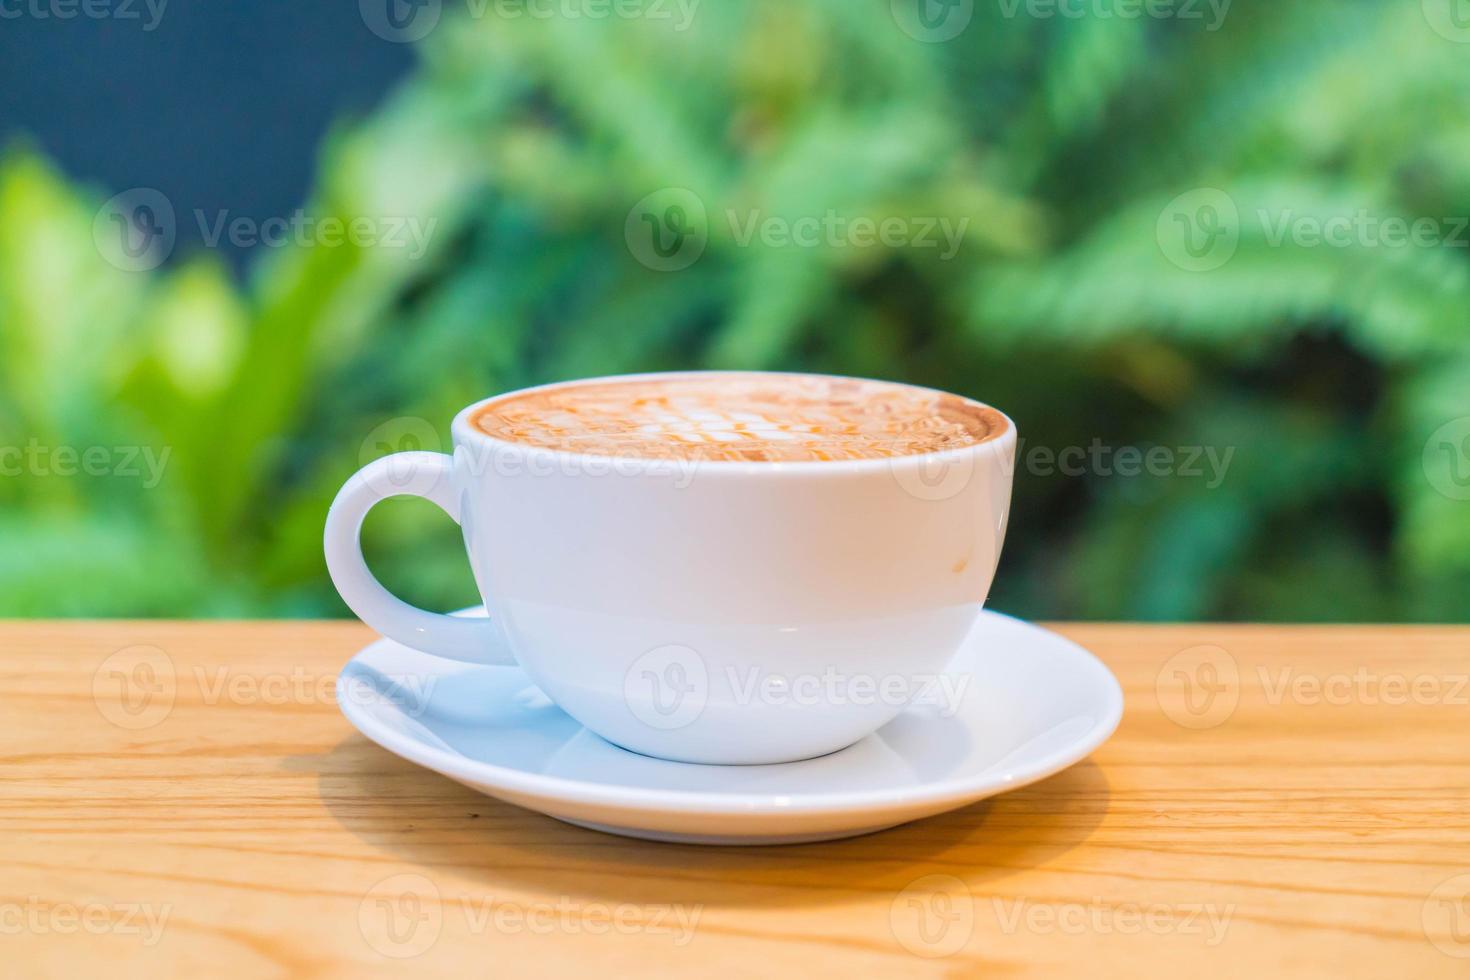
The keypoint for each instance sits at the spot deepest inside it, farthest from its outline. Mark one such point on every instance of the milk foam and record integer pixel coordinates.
(741, 418)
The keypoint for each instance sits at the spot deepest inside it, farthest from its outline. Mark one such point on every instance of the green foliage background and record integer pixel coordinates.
(1326, 369)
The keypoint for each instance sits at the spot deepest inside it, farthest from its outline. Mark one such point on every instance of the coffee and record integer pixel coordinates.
(741, 418)
(606, 583)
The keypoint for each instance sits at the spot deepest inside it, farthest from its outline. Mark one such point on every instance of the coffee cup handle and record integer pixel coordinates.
(427, 475)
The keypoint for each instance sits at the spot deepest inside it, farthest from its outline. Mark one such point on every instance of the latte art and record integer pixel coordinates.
(741, 418)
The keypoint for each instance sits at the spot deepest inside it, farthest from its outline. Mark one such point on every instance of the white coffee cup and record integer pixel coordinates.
(707, 612)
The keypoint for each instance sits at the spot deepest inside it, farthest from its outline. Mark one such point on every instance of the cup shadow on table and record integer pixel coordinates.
(442, 827)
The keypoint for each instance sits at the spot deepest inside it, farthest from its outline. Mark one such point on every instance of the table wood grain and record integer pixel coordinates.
(185, 798)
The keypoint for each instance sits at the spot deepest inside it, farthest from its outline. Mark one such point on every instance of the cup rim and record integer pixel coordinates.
(464, 432)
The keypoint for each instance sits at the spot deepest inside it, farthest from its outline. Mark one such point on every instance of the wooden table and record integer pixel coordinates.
(184, 798)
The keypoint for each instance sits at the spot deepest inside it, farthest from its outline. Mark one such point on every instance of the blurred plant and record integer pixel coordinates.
(1133, 272)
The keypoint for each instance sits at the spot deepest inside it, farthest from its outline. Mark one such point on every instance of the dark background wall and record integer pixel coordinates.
(219, 105)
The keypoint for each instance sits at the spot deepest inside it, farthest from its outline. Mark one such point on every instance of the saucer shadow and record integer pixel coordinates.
(421, 817)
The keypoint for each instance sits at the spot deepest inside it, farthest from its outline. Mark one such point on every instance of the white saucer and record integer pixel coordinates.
(1035, 704)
